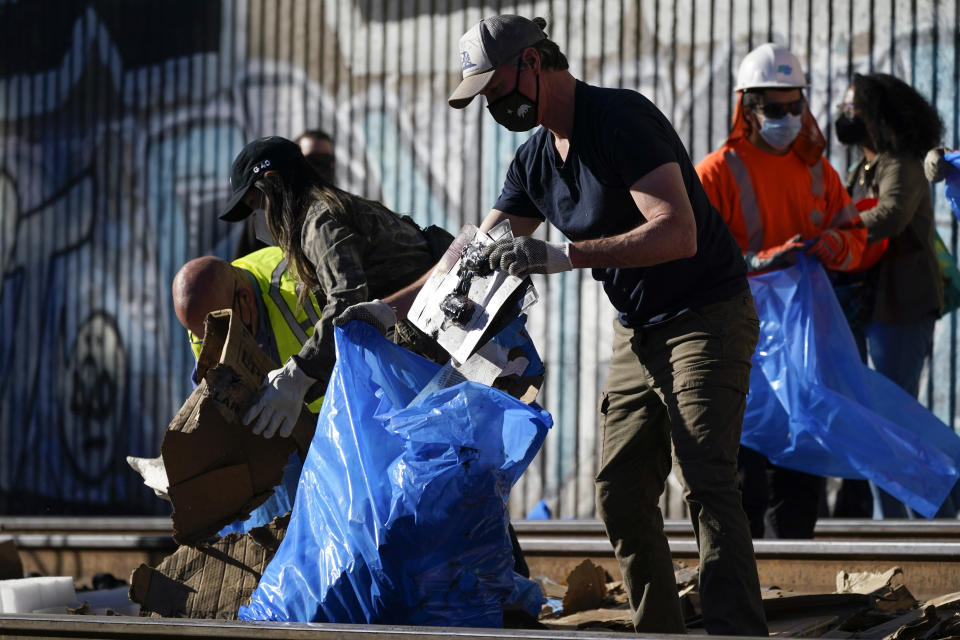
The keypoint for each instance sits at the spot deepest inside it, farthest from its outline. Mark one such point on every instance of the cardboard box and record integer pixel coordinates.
(218, 470)
(209, 581)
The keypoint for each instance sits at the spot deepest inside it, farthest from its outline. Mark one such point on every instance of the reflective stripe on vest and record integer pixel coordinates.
(277, 291)
(816, 178)
(312, 317)
(748, 200)
(845, 215)
(286, 311)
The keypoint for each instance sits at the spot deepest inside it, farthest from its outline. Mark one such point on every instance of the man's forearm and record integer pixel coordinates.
(652, 243)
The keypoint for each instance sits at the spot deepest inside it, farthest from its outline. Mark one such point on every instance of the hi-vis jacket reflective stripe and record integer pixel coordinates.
(291, 324)
(766, 199)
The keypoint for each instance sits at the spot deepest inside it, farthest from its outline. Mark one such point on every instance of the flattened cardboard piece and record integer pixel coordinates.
(11, 567)
(586, 587)
(231, 344)
(210, 581)
(218, 470)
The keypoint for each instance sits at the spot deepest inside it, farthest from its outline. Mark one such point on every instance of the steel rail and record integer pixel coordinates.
(806, 566)
(927, 551)
(113, 627)
(827, 528)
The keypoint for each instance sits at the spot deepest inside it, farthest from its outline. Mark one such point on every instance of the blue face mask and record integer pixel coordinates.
(780, 133)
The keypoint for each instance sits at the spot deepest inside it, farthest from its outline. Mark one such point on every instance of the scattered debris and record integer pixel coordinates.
(872, 606)
(869, 581)
(208, 581)
(586, 587)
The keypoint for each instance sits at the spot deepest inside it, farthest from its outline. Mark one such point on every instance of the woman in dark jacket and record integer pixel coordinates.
(902, 298)
(345, 249)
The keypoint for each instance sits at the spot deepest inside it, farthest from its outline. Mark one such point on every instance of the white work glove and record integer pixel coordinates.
(281, 401)
(935, 168)
(376, 313)
(522, 256)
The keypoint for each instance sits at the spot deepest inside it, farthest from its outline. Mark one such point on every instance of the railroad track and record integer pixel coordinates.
(827, 529)
(927, 551)
(34, 626)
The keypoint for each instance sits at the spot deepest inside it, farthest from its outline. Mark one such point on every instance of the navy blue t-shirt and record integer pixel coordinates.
(618, 137)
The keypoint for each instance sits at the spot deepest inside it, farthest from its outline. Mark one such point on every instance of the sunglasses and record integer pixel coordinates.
(776, 110)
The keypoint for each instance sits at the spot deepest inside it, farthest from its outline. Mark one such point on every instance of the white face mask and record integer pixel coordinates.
(780, 133)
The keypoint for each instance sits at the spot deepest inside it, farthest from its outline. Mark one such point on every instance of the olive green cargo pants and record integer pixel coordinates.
(683, 382)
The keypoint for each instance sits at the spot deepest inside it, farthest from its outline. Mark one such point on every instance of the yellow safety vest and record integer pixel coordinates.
(291, 323)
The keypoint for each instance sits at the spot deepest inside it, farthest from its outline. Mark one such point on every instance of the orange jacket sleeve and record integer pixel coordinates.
(843, 217)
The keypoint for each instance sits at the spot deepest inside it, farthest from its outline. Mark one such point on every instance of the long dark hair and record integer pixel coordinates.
(289, 198)
(897, 118)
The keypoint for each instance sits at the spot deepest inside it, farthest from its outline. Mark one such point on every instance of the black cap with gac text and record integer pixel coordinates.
(266, 154)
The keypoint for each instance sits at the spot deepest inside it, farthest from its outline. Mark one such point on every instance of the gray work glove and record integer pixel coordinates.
(934, 166)
(777, 257)
(522, 256)
(281, 400)
(376, 313)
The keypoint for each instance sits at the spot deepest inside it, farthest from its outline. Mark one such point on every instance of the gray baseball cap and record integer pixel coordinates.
(487, 45)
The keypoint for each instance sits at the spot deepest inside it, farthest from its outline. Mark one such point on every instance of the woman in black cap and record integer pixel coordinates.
(344, 248)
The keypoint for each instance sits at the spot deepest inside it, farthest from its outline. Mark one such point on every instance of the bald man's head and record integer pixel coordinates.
(208, 284)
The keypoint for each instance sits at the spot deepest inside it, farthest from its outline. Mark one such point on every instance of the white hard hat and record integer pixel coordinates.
(770, 66)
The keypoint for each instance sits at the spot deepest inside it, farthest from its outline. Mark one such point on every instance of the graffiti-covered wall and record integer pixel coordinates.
(119, 120)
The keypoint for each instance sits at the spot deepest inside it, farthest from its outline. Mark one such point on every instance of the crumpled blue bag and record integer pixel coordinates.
(400, 516)
(952, 182)
(815, 407)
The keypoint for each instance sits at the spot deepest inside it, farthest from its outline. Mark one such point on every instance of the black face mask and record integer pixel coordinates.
(322, 163)
(514, 110)
(850, 130)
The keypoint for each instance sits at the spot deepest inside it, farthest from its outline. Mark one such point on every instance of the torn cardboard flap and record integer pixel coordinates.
(210, 581)
(10, 565)
(586, 587)
(218, 470)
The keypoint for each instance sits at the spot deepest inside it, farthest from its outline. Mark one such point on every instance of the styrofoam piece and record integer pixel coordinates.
(20, 595)
(26, 595)
(57, 591)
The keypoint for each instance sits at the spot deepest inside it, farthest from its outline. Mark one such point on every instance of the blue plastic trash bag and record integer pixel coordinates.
(540, 511)
(952, 182)
(815, 407)
(526, 595)
(400, 516)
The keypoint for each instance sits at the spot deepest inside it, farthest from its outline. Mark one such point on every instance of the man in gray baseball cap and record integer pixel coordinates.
(489, 44)
(609, 171)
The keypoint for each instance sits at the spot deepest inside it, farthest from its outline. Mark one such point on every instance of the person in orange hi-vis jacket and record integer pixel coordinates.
(779, 196)
(770, 181)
